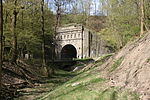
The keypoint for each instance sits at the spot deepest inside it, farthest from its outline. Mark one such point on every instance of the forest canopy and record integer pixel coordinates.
(116, 21)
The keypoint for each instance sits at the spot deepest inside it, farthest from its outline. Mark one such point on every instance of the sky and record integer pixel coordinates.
(98, 6)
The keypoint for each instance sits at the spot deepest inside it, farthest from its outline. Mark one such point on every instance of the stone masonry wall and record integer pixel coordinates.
(87, 44)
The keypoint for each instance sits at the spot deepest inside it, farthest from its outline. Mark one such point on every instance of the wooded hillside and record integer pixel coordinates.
(28, 30)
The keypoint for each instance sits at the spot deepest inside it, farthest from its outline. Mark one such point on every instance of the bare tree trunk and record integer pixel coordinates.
(1, 41)
(58, 15)
(142, 17)
(58, 5)
(43, 36)
(14, 47)
(95, 4)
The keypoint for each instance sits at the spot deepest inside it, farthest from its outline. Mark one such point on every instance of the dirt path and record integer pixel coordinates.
(46, 85)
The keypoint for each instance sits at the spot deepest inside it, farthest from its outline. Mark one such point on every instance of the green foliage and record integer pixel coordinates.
(147, 13)
(70, 18)
(112, 41)
(28, 28)
(122, 23)
(135, 96)
(148, 60)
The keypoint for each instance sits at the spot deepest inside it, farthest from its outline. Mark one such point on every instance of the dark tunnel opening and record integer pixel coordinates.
(68, 52)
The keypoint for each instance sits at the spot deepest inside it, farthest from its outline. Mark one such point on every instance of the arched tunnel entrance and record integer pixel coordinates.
(68, 52)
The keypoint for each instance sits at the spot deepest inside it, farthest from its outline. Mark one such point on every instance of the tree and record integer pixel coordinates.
(1, 40)
(123, 23)
(147, 14)
(142, 16)
(28, 28)
(58, 4)
(14, 23)
(43, 34)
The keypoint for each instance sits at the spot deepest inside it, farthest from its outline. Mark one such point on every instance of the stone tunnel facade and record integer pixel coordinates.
(77, 41)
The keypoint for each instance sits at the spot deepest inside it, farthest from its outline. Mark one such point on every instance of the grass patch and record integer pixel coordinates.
(148, 60)
(116, 64)
(46, 85)
(83, 59)
(116, 94)
(128, 95)
(108, 94)
(79, 78)
(78, 92)
(135, 96)
(89, 85)
(113, 95)
(97, 80)
(103, 58)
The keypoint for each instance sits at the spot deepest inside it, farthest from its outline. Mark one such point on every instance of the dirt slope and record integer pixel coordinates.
(130, 67)
(15, 77)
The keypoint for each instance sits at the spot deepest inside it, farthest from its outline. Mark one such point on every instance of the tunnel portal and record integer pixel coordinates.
(68, 52)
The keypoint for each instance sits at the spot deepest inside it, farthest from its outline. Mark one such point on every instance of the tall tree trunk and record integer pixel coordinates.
(58, 15)
(95, 4)
(43, 36)
(1, 41)
(14, 47)
(58, 5)
(142, 17)
(22, 15)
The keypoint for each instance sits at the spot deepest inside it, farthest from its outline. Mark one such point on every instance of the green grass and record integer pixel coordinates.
(46, 85)
(82, 85)
(77, 85)
(148, 60)
(116, 64)
(103, 58)
(76, 92)
(89, 85)
(83, 59)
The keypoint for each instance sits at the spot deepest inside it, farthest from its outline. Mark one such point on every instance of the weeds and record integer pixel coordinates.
(148, 60)
(116, 64)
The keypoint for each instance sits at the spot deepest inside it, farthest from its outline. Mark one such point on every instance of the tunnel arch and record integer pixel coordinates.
(68, 52)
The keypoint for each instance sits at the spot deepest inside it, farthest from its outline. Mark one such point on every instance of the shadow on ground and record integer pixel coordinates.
(45, 85)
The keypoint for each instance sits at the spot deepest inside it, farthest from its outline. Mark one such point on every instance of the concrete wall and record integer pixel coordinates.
(87, 44)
